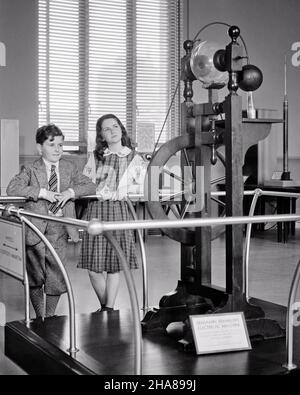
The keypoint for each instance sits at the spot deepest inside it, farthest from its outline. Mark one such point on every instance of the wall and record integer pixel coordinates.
(269, 28)
(19, 79)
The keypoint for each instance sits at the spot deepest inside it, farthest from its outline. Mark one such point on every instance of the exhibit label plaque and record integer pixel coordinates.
(12, 248)
(217, 333)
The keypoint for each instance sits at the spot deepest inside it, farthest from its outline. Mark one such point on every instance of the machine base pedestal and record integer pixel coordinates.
(173, 307)
(176, 307)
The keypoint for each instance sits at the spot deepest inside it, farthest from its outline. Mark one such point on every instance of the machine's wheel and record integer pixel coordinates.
(157, 197)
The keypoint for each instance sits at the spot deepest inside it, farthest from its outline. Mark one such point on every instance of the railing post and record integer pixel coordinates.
(256, 195)
(26, 282)
(144, 260)
(73, 349)
(290, 320)
(133, 300)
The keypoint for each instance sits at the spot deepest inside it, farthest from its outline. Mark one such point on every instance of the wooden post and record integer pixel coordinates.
(234, 199)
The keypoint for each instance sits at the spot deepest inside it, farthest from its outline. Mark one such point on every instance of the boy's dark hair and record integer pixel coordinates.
(47, 132)
(101, 144)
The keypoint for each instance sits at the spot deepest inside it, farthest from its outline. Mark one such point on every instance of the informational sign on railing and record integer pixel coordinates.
(12, 248)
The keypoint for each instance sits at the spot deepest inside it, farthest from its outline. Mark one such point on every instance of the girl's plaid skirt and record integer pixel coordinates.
(97, 255)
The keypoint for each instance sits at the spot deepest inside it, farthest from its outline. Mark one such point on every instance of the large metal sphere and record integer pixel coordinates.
(251, 78)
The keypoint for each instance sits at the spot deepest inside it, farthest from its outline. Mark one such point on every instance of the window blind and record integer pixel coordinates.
(59, 65)
(155, 27)
(108, 56)
(107, 61)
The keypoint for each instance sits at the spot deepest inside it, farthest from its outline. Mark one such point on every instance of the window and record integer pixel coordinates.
(108, 56)
(59, 66)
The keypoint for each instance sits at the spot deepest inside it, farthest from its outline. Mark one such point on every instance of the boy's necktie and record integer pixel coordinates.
(53, 207)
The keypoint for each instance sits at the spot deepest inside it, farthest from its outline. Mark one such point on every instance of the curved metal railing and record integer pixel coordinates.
(143, 258)
(257, 194)
(21, 214)
(289, 365)
(290, 320)
(96, 227)
(73, 349)
(134, 302)
(129, 281)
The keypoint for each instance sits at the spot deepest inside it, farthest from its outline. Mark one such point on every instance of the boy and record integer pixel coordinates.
(49, 184)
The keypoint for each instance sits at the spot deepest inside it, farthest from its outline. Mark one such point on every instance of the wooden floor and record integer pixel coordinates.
(272, 266)
(106, 348)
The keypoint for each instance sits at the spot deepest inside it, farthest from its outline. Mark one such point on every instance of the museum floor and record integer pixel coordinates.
(272, 265)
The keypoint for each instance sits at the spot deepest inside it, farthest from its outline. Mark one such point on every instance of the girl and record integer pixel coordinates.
(116, 169)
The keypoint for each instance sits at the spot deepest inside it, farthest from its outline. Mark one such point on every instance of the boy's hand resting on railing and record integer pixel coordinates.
(51, 196)
(63, 197)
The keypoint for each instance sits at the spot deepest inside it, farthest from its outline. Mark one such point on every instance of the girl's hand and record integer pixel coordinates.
(120, 194)
(104, 193)
(115, 196)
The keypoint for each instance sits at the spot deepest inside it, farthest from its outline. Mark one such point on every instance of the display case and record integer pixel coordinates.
(9, 151)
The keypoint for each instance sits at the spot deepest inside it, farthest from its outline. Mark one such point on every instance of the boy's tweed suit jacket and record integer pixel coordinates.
(34, 177)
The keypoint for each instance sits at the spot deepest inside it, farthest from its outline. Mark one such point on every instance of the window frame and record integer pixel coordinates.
(131, 94)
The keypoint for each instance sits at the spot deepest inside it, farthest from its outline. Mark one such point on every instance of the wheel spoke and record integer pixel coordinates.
(217, 180)
(188, 163)
(173, 175)
(171, 196)
(175, 211)
(222, 158)
(218, 201)
(180, 197)
(186, 206)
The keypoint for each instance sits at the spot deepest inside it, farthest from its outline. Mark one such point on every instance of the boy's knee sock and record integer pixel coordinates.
(37, 300)
(51, 304)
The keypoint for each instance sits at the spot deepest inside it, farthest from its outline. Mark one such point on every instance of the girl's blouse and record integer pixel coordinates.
(120, 175)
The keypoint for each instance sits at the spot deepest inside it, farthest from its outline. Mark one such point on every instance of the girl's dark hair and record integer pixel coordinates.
(101, 144)
(47, 132)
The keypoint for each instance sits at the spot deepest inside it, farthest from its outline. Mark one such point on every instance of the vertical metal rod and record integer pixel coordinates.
(251, 112)
(26, 281)
(133, 300)
(27, 300)
(144, 260)
(285, 128)
(290, 320)
(256, 195)
(73, 349)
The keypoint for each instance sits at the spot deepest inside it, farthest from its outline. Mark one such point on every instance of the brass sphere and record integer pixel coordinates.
(251, 78)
